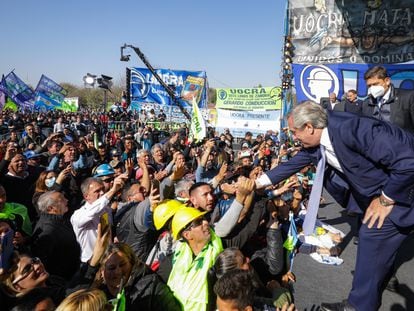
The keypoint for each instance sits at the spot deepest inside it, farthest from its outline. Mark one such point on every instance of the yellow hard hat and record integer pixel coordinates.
(164, 211)
(183, 218)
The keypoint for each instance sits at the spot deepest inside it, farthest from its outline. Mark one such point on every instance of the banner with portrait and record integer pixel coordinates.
(313, 82)
(145, 88)
(352, 31)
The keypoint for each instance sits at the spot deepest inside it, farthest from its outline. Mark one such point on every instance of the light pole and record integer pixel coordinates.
(104, 82)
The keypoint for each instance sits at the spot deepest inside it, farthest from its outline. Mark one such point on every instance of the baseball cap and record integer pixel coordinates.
(245, 145)
(30, 154)
(115, 152)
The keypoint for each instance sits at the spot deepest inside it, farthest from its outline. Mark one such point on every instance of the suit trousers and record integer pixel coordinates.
(375, 258)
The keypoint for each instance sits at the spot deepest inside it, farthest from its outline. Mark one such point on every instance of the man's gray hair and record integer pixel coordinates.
(46, 200)
(88, 182)
(142, 152)
(309, 112)
(156, 146)
(183, 185)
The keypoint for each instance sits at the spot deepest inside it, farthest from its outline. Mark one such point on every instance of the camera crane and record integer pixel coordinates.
(125, 58)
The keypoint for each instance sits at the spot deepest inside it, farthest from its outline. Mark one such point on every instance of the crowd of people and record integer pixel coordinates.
(98, 217)
(90, 208)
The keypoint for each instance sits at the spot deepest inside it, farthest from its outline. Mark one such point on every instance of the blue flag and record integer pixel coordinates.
(18, 91)
(292, 240)
(51, 89)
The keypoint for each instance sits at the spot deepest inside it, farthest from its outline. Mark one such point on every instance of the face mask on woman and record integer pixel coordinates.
(49, 182)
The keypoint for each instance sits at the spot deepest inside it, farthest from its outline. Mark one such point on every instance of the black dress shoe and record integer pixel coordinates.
(356, 240)
(393, 284)
(338, 306)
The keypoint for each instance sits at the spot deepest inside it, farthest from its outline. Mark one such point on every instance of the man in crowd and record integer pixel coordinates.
(54, 241)
(194, 255)
(386, 102)
(352, 103)
(32, 140)
(85, 220)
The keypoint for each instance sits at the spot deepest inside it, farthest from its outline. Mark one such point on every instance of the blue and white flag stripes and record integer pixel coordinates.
(51, 89)
(291, 240)
(18, 91)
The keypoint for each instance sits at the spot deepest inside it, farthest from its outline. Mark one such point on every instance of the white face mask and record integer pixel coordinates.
(49, 182)
(376, 91)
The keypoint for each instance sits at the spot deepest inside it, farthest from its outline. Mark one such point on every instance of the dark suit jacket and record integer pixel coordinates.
(339, 106)
(375, 156)
(401, 105)
(354, 107)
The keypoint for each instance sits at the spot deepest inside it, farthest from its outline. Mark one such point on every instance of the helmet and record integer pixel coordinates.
(164, 211)
(182, 218)
(103, 170)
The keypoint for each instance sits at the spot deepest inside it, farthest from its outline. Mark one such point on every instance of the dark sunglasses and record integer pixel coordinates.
(108, 180)
(27, 270)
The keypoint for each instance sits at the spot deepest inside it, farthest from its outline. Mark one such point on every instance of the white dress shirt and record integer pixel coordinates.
(329, 150)
(85, 222)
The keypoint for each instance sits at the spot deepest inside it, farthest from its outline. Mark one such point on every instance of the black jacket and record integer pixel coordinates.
(54, 242)
(146, 291)
(19, 190)
(130, 228)
(143, 291)
(399, 107)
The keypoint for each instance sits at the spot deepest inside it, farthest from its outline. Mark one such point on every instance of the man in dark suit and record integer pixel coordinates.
(390, 104)
(376, 160)
(334, 104)
(386, 102)
(352, 103)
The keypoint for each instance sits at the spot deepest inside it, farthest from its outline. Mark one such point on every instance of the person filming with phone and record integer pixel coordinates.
(85, 220)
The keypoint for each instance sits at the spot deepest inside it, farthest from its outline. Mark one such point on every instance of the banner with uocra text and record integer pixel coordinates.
(259, 98)
(186, 85)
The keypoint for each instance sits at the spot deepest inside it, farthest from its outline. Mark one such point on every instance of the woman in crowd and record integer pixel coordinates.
(121, 272)
(47, 181)
(25, 274)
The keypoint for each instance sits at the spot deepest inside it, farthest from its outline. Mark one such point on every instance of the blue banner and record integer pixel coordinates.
(18, 91)
(51, 89)
(45, 103)
(313, 82)
(186, 85)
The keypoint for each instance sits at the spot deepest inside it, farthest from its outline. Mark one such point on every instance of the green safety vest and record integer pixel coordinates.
(188, 278)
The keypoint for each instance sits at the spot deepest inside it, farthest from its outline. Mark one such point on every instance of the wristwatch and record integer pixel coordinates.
(384, 202)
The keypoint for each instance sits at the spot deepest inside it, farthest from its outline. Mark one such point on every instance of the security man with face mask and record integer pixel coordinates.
(387, 103)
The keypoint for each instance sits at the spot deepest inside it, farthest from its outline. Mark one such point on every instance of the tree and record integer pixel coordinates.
(212, 96)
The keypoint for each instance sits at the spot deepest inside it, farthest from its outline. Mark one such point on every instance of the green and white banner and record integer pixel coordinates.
(198, 125)
(258, 98)
(239, 122)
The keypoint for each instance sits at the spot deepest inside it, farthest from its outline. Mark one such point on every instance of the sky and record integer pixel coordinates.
(238, 43)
